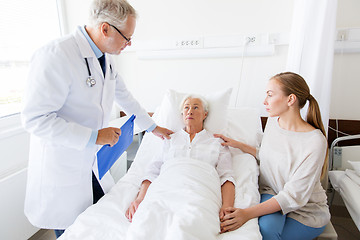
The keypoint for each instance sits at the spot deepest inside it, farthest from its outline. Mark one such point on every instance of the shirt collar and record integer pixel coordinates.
(93, 46)
(202, 132)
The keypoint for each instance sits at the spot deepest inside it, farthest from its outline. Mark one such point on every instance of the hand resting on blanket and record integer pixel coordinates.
(191, 148)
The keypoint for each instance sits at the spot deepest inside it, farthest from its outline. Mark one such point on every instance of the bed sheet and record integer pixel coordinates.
(353, 176)
(350, 193)
(106, 219)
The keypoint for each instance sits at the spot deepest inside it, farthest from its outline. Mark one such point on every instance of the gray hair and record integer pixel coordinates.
(114, 12)
(203, 101)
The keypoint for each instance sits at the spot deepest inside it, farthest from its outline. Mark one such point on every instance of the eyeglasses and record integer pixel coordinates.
(128, 40)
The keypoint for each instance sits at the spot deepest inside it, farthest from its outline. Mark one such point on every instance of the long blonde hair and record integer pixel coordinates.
(292, 83)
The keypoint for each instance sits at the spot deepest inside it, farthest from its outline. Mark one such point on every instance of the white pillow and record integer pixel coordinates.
(356, 166)
(244, 125)
(169, 115)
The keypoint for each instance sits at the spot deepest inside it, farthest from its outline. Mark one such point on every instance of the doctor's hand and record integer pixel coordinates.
(227, 141)
(233, 219)
(162, 132)
(108, 135)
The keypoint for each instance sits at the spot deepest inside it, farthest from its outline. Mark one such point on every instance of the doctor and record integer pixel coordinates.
(72, 84)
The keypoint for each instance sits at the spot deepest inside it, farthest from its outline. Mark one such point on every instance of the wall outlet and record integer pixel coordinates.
(188, 43)
(251, 39)
(337, 160)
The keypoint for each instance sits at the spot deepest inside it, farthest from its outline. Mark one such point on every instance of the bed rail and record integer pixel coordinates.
(339, 139)
(331, 190)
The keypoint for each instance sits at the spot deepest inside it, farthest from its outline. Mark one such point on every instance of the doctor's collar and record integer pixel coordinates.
(93, 46)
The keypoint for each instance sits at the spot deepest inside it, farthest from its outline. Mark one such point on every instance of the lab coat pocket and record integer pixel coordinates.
(112, 83)
(108, 95)
(112, 80)
(62, 166)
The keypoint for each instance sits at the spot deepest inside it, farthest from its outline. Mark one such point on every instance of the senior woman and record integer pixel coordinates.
(197, 144)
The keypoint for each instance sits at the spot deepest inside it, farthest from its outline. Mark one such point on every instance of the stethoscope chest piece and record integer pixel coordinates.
(90, 81)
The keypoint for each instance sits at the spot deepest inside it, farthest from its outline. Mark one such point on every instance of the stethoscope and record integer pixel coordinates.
(90, 81)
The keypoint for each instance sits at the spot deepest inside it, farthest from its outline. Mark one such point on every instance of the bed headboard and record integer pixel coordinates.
(351, 127)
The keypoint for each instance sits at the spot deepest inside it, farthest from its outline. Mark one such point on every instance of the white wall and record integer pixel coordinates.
(158, 19)
(180, 19)
(14, 149)
(346, 72)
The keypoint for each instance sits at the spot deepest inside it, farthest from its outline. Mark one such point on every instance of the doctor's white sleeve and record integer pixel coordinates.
(130, 105)
(47, 88)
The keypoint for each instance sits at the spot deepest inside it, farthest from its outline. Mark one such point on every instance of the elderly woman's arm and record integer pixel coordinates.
(228, 197)
(226, 174)
(140, 197)
(151, 173)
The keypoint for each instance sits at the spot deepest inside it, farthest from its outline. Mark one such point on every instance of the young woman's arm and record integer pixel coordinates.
(236, 144)
(236, 217)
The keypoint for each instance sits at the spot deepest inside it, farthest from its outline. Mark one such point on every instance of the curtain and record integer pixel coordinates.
(311, 48)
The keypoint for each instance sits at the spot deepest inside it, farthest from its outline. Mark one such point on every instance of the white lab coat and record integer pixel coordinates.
(60, 111)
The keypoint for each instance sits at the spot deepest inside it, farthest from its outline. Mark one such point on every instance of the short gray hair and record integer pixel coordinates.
(202, 99)
(114, 12)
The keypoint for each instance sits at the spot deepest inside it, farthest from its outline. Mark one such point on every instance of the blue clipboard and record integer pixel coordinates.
(107, 155)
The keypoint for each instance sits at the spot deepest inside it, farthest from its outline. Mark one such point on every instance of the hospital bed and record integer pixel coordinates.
(347, 182)
(106, 219)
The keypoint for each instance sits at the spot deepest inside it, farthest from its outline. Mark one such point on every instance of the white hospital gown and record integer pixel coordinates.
(204, 147)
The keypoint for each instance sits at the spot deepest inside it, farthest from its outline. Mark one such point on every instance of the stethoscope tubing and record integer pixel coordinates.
(88, 68)
(90, 81)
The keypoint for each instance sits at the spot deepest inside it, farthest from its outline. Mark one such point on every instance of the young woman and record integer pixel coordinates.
(293, 158)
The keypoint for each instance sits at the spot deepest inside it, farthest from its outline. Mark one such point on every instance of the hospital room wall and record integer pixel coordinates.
(183, 19)
(149, 79)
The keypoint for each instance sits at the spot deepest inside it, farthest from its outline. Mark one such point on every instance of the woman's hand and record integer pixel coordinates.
(132, 209)
(236, 144)
(233, 219)
(223, 212)
(227, 141)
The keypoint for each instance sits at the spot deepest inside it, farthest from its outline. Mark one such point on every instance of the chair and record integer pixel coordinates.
(328, 234)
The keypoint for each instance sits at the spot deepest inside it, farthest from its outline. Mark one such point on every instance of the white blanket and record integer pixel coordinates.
(353, 176)
(182, 203)
(106, 220)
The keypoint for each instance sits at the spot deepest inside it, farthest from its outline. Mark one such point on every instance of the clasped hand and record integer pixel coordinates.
(232, 218)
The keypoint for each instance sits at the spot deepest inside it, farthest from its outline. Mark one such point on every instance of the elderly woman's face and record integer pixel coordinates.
(193, 111)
